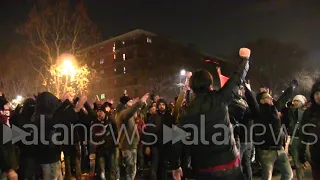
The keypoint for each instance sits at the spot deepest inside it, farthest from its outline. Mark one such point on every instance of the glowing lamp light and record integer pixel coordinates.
(67, 68)
(67, 63)
(19, 98)
(183, 72)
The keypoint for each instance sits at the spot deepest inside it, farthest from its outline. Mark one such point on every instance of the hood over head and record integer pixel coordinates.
(162, 101)
(28, 108)
(315, 88)
(46, 104)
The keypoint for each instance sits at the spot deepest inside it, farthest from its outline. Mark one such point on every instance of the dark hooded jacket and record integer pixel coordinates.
(110, 132)
(166, 119)
(50, 111)
(22, 117)
(310, 130)
(158, 121)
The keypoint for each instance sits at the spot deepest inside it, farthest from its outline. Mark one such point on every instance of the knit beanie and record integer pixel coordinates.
(300, 98)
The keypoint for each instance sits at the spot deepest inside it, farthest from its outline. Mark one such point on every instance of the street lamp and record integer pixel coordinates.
(183, 72)
(67, 68)
(19, 98)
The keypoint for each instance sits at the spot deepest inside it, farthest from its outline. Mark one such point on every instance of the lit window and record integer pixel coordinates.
(101, 61)
(115, 70)
(114, 56)
(123, 42)
(124, 57)
(102, 71)
(114, 49)
(149, 40)
(124, 70)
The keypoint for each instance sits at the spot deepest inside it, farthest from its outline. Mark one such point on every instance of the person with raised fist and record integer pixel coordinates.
(211, 159)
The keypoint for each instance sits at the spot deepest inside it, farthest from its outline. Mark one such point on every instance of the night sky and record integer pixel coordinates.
(215, 26)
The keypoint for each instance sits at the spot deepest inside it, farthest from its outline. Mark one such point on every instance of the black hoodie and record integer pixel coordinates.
(54, 112)
(310, 124)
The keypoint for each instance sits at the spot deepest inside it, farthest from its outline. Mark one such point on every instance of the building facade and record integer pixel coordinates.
(140, 61)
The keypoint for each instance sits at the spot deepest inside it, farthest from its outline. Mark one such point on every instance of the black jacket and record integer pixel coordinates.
(214, 106)
(154, 127)
(109, 137)
(21, 117)
(268, 127)
(310, 130)
(53, 112)
(250, 114)
(237, 109)
(8, 155)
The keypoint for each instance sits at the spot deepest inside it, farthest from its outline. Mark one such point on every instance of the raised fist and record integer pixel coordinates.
(188, 74)
(68, 95)
(244, 53)
(79, 105)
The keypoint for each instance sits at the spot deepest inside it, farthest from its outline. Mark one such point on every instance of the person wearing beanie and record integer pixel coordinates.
(294, 115)
(107, 152)
(125, 119)
(311, 125)
(125, 102)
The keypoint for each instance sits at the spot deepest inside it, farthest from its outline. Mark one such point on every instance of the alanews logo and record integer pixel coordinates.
(188, 134)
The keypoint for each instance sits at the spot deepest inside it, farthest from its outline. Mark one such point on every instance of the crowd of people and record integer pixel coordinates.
(110, 141)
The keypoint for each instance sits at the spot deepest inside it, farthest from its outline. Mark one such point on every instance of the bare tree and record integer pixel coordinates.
(274, 63)
(55, 28)
(17, 76)
(161, 84)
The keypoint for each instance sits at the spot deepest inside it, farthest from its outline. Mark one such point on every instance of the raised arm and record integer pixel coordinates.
(128, 113)
(238, 76)
(252, 102)
(284, 98)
